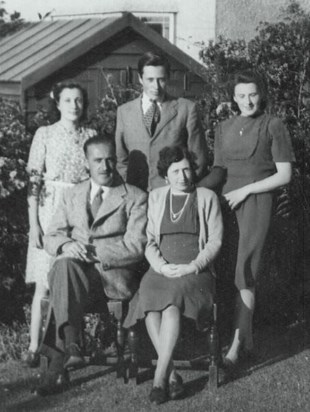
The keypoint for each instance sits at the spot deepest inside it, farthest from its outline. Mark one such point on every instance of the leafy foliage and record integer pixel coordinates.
(9, 24)
(14, 148)
(104, 118)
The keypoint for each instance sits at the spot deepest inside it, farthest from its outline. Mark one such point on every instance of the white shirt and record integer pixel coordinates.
(146, 103)
(94, 190)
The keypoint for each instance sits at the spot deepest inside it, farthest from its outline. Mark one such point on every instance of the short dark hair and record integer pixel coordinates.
(249, 76)
(173, 154)
(99, 139)
(55, 97)
(153, 59)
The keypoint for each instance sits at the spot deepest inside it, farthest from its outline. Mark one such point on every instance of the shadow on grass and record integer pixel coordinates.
(38, 403)
(274, 346)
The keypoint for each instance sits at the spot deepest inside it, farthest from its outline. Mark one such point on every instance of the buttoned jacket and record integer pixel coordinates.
(138, 152)
(117, 233)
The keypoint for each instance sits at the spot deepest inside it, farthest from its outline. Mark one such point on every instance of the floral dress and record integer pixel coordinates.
(57, 156)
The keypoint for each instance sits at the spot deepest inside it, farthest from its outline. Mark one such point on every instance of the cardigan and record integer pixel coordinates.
(210, 228)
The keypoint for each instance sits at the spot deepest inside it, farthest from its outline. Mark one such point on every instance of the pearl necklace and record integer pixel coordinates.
(175, 217)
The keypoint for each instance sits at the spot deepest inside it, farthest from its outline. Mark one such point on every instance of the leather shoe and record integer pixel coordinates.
(73, 357)
(53, 382)
(158, 395)
(247, 355)
(229, 365)
(32, 359)
(176, 388)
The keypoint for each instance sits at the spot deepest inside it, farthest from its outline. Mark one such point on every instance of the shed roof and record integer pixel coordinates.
(40, 49)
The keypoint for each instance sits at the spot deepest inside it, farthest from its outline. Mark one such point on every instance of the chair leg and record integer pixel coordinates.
(120, 344)
(214, 349)
(213, 344)
(133, 342)
(43, 364)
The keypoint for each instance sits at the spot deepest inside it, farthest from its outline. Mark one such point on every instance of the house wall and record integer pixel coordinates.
(238, 19)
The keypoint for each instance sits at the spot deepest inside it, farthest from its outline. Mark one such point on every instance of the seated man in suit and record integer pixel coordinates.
(153, 121)
(98, 232)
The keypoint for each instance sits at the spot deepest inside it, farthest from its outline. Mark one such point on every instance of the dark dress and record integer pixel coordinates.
(249, 147)
(192, 294)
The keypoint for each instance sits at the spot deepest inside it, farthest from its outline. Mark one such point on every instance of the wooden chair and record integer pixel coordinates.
(124, 365)
(211, 359)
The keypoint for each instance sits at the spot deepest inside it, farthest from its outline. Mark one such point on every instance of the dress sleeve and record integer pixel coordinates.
(36, 161)
(281, 146)
(218, 156)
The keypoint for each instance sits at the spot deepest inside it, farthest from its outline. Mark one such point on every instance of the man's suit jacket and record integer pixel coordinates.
(117, 233)
(138, 152)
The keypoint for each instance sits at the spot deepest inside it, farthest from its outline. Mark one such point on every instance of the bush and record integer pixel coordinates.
(14, 148)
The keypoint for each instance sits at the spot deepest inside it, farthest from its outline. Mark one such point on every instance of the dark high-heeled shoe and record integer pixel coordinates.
(53, 382)
(245, 355)
(32, 359)
(176, 388)
(158, 395)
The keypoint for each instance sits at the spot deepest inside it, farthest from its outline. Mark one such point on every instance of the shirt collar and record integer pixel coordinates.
(146, 103)
(94, 187)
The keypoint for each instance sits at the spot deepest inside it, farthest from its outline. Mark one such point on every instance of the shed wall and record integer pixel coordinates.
(113, 63)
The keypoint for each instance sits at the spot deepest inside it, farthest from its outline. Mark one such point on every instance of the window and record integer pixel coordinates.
(162, 23)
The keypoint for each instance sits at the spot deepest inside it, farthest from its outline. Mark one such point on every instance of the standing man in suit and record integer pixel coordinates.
(153, 121)
(97, 237)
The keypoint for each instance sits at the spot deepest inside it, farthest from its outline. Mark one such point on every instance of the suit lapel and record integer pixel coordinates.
(168, 112)
(81, 203)
(112, 202)
(138, 118)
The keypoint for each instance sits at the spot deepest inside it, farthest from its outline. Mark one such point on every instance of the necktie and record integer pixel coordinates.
(96, 203)
(152, 117)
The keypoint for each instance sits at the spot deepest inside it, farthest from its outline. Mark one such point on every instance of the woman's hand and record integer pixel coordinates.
(236, 197)
(169, 270)
(176, 271)
(36, 236)
(186, 269)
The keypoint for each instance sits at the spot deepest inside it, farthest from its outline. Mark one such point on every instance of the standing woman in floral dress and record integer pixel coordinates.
(56, 162)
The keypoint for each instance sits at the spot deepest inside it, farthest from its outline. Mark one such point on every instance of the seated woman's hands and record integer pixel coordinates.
(171, 270)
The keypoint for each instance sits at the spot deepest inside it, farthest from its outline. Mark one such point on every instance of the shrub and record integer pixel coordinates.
(14, 148)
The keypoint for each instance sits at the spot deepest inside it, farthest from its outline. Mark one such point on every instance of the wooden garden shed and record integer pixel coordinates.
(92, 52)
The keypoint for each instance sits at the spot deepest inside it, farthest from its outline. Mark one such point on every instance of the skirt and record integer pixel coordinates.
(38, 261)
(192, 294)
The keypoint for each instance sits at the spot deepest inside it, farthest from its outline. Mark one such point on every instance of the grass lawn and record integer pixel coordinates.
(279, 380)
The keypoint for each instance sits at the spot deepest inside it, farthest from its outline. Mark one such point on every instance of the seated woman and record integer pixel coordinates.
(184, 236)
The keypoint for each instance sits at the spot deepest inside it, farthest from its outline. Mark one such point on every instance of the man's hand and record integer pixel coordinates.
(80, 251)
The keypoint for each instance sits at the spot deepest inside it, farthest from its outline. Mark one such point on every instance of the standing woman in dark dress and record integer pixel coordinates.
(184, 236)
(255, 149)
